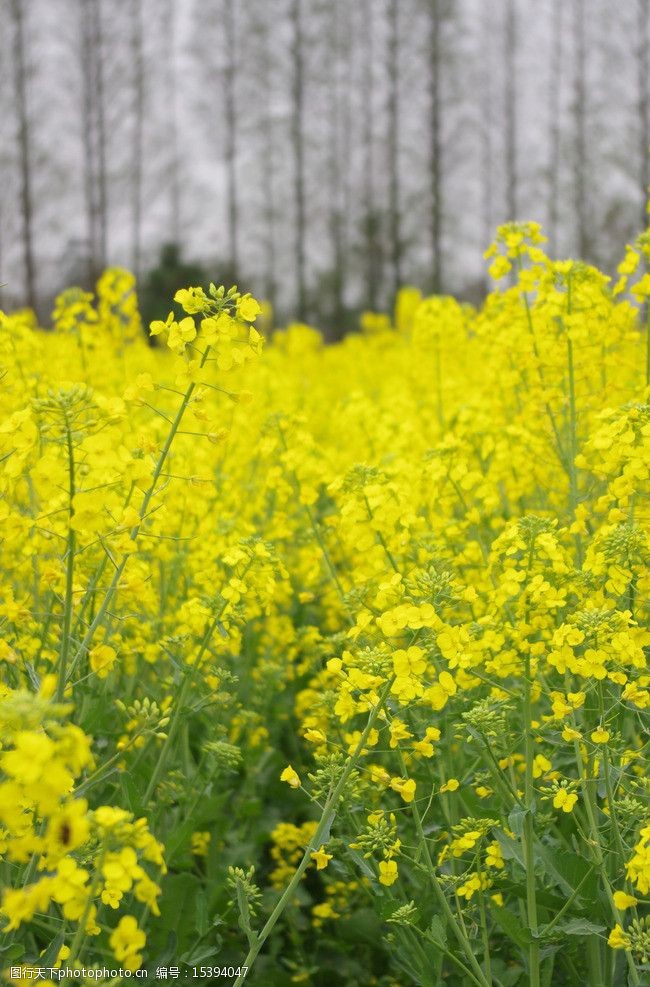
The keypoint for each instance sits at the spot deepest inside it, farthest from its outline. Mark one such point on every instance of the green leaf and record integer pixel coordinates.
(48, 959)
(512, 976)
(179, 891)
(509, 848)
(169, 951)
(553, 902)
(579, 927)
(132, 794)
(202, 921)
(363, 926)
(567, 870)
(438, 931)
(12, 952)
(405, 956)
(362, 864)
(191, 958)
(429, 959)
(387, 906)
(473, 732)
(511, 926)
(516, 819)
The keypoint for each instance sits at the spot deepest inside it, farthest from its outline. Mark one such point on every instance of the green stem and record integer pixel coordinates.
(541, 375)
(80, 935)
(91, 589)
(146, 500)
(450, 956)
(573, 430)
(528, 834)
(507, 792)
(609, 789)
(647, 347)
(441, 898)
(105, 768)
(380, 537)
(321, 834)
(593, 958)
(598, 857)
(316, 530)
(69, 575)
(485, 937)
(567, 904)
(439, 402)
(326, 556)
(178, 707)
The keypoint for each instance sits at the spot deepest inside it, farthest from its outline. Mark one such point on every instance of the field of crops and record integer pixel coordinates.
(327, 665)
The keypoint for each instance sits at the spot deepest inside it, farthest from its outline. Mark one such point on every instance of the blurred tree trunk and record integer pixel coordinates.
(370, 225)
(436, 148)
(94, 135)
(510, 111)
(486, 125)
(345, 111)
(643, 77)
(87, 135)
(298, 149)
(338, 178)
(393, 145)
(102, 179)
(230, 136)
(26, 197)
(580, 130)
(171, 82)
(138, 67)
(2, 253)
(268, 163)
(555, 135)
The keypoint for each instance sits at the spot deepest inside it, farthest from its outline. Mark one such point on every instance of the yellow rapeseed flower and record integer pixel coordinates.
(321, 858)
(291, 777)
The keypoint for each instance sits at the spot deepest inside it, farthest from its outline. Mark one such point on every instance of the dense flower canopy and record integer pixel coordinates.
(415, 563)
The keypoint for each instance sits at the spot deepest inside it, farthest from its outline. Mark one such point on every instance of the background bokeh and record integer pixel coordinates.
(319, 152)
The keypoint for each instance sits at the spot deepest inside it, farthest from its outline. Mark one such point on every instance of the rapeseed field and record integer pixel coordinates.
(328, 664)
